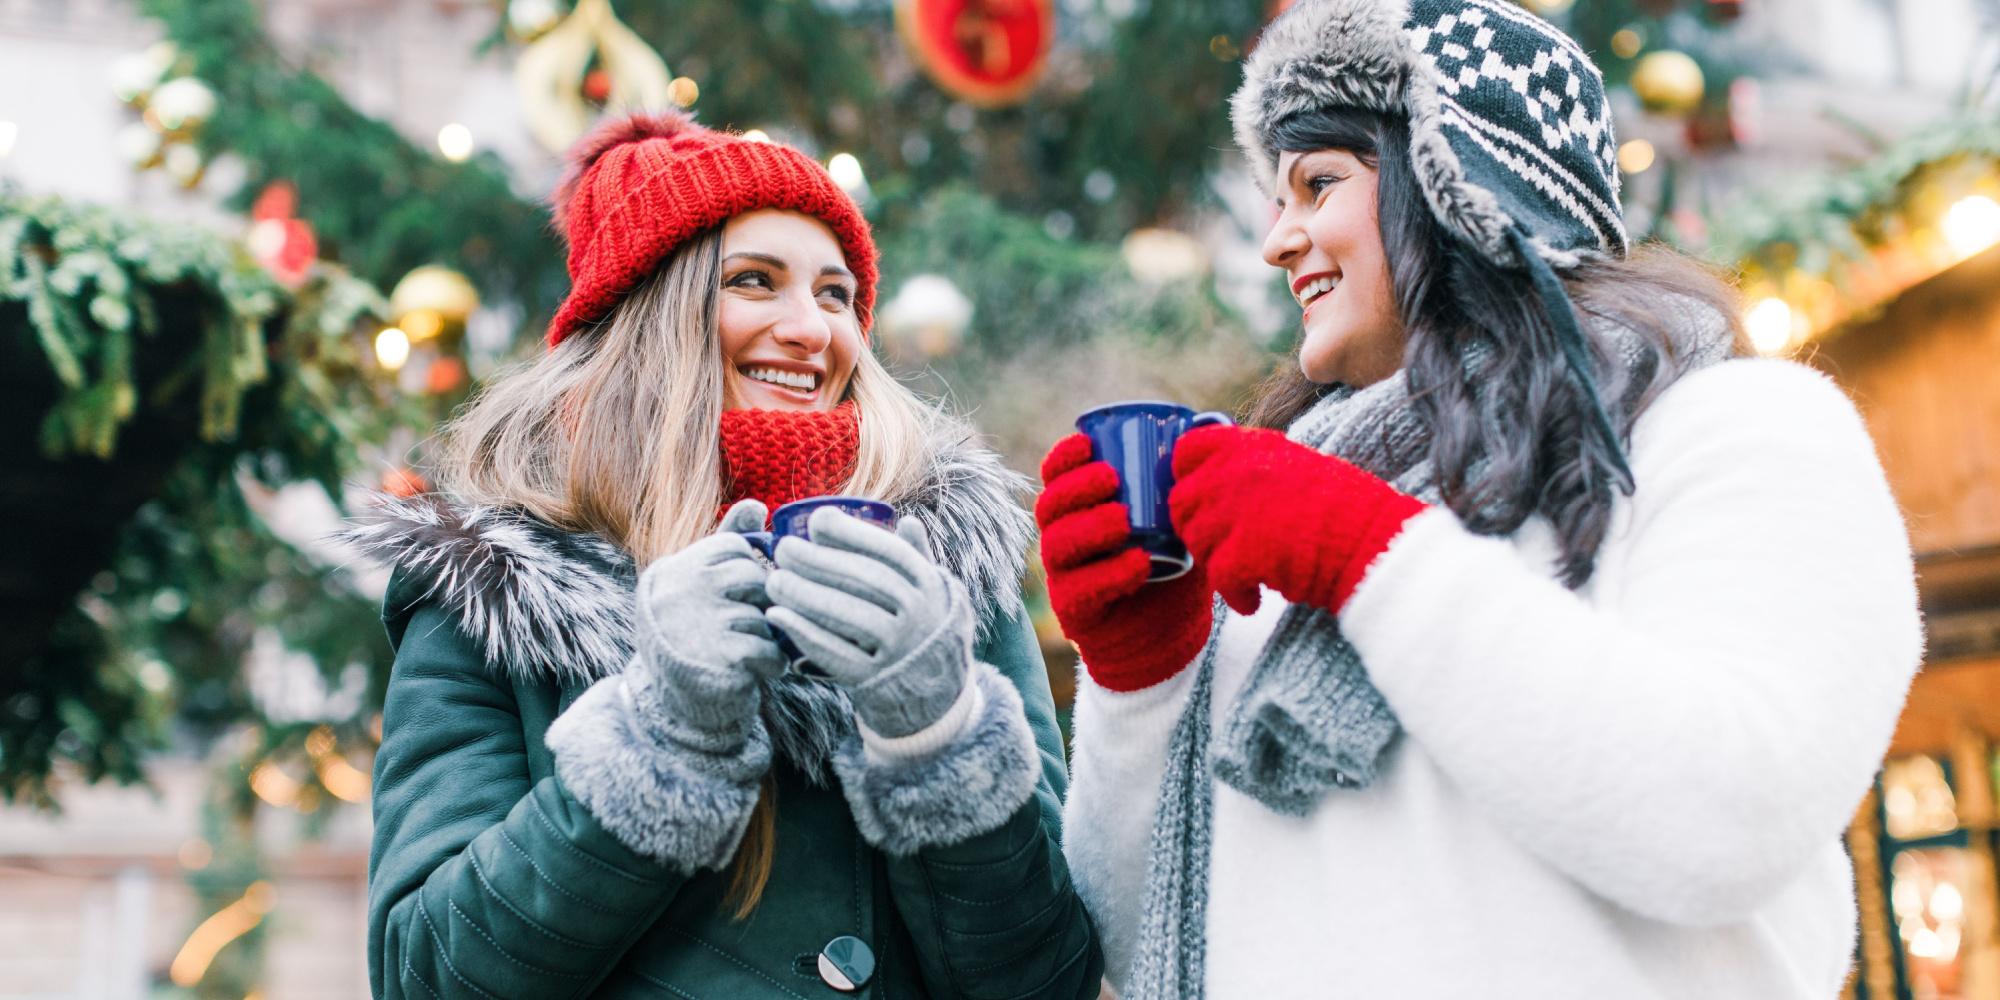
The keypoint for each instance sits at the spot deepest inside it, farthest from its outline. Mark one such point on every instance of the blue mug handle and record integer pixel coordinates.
(1211, 418)
(765, 542)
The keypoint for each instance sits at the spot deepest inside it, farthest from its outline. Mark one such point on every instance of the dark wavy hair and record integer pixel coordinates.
(1518, 440)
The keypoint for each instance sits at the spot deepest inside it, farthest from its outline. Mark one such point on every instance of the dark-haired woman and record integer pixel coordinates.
(1555, 643)
(598, 776)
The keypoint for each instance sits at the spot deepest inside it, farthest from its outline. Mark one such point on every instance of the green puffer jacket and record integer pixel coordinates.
(489, 877)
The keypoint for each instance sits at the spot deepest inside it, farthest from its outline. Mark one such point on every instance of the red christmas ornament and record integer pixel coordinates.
(283, 245)
(404, 483)
(989, 52)
(597, 86)
(1725, 11)
(444, 375)
(278, 200)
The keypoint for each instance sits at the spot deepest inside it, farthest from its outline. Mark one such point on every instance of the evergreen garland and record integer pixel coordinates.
(172, 367)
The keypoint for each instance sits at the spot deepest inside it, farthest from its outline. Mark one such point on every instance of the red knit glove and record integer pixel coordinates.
(1131, 634)
(1256, 508)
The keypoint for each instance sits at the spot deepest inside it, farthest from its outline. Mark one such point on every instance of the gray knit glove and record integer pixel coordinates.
(702, 639)
(874, 611)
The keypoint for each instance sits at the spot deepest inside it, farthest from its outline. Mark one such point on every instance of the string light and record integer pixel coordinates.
(756, 135)
(274, 786)
(846, 171)
(1636, 156)
(683, 91)
(392, 348)
(1972, 224)
(226, 925)
(1770, 324)
(347, 782)
(1626, 42)
(455, 142)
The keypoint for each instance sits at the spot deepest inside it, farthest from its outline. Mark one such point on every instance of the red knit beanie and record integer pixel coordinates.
(638, 187)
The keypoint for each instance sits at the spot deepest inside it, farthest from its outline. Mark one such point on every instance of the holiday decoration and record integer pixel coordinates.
(1821, 251)
(589, 59)
(1668, 82)
(135, 75)
(989, 52)
(284, 245)
(432, 301)
(162, 365)
(171, 113)
(927, 317)
(180, 106)
(528, 20)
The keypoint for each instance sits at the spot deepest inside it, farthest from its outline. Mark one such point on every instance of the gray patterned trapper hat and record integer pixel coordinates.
(1510, 134)
(1508, 121)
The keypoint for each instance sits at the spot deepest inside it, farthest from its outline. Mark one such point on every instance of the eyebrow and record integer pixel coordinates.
(776, 262)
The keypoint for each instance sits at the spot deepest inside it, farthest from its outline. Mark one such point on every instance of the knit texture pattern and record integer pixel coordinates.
(1308, 719)
(1129, 634)
(1328, 519)
(641, 186)
(779, 456)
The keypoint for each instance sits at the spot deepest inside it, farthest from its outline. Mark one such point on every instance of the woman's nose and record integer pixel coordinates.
(804, 326)
(1286, 240)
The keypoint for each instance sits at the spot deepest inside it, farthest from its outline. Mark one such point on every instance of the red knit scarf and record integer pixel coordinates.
(779, 456)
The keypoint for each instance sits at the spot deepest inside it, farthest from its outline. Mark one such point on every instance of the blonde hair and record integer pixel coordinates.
(615, 432)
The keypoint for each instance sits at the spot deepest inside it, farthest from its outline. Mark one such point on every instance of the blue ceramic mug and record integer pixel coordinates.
(1137, 439)
(790, 522)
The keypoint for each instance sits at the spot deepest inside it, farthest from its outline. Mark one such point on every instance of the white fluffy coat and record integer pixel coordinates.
(1633, 790)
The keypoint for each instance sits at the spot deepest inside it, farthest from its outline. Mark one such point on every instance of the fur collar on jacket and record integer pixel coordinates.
(557, 604)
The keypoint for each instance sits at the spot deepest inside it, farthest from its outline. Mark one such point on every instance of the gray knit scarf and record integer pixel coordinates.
(1308, 720)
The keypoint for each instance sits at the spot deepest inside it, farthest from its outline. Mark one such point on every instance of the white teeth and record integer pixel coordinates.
(802, 381)
(1316, 288)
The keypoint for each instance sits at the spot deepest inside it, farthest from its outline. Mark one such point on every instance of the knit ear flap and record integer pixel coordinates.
(605, 138)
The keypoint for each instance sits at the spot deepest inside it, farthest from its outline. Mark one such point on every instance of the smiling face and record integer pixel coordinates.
(1329, 244)
(789, 334)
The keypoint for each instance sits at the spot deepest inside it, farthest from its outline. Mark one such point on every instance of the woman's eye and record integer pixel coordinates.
(1318, 185)
(838, 293)
(750, 279)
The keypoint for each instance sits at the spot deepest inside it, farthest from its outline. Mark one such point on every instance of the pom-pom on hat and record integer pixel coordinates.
(638, 187)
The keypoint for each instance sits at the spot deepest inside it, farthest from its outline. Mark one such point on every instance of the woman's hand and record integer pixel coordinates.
(873, 609)
(1130, 634)
(703, 641)
(1258, 509)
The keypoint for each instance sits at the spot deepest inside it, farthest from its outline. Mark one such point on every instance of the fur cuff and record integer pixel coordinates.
(968, 787)
(673, 804)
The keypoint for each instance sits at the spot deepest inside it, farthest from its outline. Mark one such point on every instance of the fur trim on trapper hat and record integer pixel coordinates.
(1509, 126)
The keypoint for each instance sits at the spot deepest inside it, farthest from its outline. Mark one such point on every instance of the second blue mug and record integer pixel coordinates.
(790, 520)
(1137, 440)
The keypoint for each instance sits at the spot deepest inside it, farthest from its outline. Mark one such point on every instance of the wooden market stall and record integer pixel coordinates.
(1926, 375)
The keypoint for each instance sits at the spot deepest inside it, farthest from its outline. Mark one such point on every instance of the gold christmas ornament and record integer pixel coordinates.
(550, 74)
(1668, 82)
(134, 75)
(431, 300)
(182, 105)
(185, 165)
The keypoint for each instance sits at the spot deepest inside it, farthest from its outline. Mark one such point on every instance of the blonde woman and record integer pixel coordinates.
(597, 781)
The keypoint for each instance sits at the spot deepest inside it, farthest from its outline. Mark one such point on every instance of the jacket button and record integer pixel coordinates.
(846, 963)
